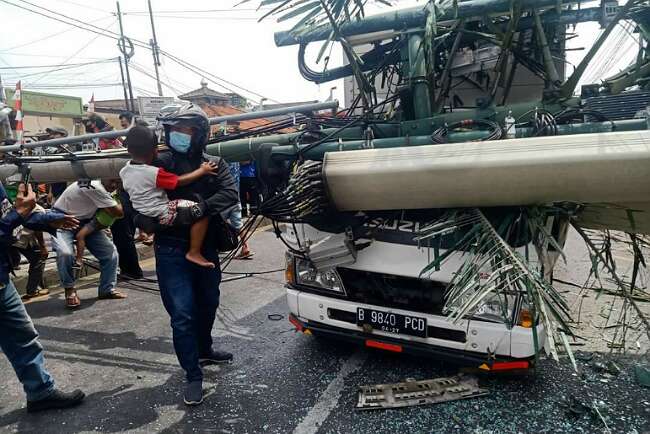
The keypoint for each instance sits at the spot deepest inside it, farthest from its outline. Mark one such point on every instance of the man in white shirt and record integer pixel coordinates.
(82, 200)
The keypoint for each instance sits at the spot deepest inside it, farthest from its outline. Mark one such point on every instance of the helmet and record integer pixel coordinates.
(186, 115)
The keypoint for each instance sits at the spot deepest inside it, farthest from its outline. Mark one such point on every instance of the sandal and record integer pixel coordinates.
(38, 293)
(72, 302)
(115, 295)
(246, 255)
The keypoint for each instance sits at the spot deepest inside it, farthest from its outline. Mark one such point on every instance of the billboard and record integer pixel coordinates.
(149, 107)
(46, 104)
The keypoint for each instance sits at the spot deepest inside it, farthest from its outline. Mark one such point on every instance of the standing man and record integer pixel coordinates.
(19, 339)
(94, 123)
(82, 200)
(248, 192)
(126, 120)
(123, 231)
(31, 245)
(234, 218)
(190, 293)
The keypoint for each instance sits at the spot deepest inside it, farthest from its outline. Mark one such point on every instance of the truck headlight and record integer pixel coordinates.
(306, 274)
(496, 308)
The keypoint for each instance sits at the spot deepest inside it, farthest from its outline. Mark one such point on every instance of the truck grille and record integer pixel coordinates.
(417, 295)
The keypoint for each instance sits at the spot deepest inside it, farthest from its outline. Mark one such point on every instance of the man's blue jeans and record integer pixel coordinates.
(100, 246)
(19, 341)
(190, 294)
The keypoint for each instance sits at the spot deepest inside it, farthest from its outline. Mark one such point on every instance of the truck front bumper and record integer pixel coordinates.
(321, 315)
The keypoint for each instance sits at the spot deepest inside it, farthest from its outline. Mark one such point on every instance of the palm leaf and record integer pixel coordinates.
(508, 273)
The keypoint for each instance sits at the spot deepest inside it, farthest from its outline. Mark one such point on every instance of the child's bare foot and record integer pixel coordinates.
(199, 259)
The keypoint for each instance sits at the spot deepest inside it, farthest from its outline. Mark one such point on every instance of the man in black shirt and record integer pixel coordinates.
(190, 293)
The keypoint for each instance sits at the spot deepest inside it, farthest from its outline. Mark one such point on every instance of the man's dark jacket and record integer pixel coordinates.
(218, 193)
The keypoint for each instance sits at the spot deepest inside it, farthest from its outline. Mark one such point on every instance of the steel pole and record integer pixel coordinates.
(412, 18)
(130, 107)
(306, 108)
(154, 50)
(126, 96)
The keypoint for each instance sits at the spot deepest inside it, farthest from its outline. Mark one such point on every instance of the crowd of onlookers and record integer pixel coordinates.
(193, 205)
(110, 234)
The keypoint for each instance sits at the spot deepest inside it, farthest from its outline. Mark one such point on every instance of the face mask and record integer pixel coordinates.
(180, 142)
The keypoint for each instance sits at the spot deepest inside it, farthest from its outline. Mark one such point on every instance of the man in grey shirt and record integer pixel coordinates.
(82, 200)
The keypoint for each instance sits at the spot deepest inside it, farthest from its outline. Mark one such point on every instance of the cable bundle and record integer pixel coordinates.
(496, 133)
(304, 195)
(542, 121)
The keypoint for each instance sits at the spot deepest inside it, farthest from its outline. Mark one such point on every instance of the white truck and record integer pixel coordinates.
(380, 299)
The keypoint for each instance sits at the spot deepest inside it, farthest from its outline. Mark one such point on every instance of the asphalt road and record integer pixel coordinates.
(120, 353)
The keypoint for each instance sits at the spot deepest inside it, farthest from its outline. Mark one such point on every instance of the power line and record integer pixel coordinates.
(77, 52)
(143, 71)
(86, 26)
(49, 56)
(179, 17)
(46, 37)
(65, 86)
(57, 65)
(190, 11)
(62, 68)
(215, 79)
(171, 80)
(81, 5)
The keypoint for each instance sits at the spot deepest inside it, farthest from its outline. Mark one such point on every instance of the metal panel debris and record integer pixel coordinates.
(423, 392)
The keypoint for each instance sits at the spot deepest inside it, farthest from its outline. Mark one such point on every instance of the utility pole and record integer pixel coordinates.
(126, 96)
(127, 56)
(154, 50)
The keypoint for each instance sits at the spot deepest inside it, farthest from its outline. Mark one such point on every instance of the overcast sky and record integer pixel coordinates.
(230, 43)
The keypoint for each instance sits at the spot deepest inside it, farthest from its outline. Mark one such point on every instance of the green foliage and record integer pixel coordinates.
(493, 269)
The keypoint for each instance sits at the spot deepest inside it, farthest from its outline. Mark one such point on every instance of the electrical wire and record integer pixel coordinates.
(302, 198)
(143, 70)
(196, 11)
(210, 76)
(496, 132)
(113, 35)
(25, 44)
(542, 122)
(56, 65)
(83, 47)
(62, 68)
(90, 28)
(81, 5)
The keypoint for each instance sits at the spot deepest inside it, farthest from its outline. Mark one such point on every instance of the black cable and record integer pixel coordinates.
(102, 32)
(311, 146)
(496, 132)
(136, 42)
(253, 273)
(215, 79)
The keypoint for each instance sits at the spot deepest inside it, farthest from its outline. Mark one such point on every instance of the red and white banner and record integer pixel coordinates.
(18, 106)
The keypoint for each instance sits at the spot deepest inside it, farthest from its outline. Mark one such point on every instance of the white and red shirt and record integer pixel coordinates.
(146, 186)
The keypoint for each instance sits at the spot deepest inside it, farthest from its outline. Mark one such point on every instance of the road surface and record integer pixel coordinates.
(120, 353)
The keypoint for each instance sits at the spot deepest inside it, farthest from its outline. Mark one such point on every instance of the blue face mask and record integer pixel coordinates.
(180, 142)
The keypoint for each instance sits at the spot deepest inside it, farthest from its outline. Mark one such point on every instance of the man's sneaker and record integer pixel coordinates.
(56, 399)
(193, 393)
(215, 358)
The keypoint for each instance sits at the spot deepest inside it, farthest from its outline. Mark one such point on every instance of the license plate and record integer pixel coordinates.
(392, 322)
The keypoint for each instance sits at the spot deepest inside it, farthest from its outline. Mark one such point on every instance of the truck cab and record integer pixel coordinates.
(380, 298)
